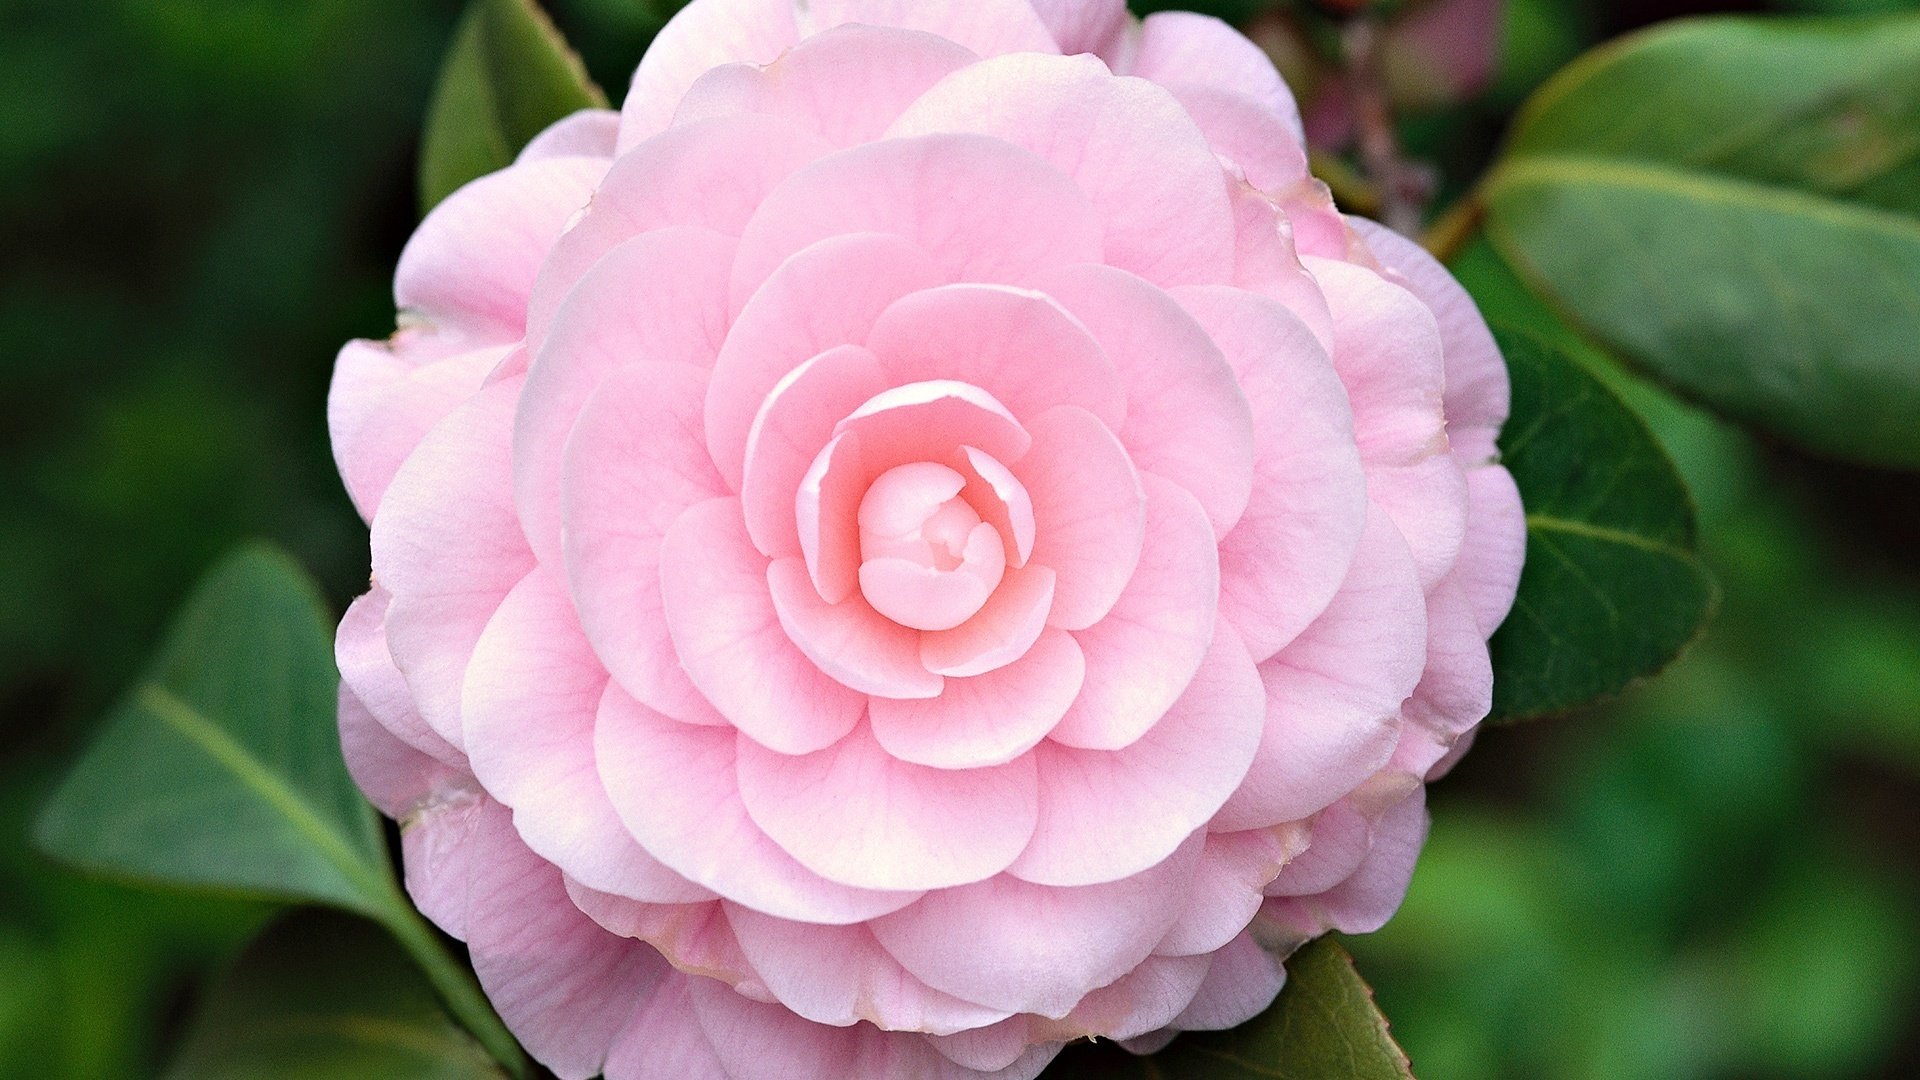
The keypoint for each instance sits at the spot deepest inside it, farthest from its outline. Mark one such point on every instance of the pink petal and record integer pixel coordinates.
(447, 545)
(1267, 262)
(854, 644)
(395, 777)
(855, 814)
(588, 133)
(1386, 347)
(703, 36)
(368, 675)
(564, 986)
(1147, 170)
(1282, 563)
(663, 1040)
(695, 938)
(1263, 145)
(472, 262)
(1243, 981)
(987, 27)
(1428, 503)
(1187, 419)
(927, 598)
(928, 190)
(1456, 688)
(1143, 655)
(1000, 499)
(988, 719)
(840, 975)
(1495, 547)
(384, 399)
(1365, 901)
(1106, 814)
(1017, 345)
(929, 420)
(1334, 694)
(682, 273)
(634, 465)
(1027, 948)
(826, 510)
(1089, 511)
(695, 175)
(1001, 632)
(1336, 845)
(1084, 26)
(727, 635)
(531, 696)
(1226, 890)
(824, 297)
(1183, 47)
(1140, 1002)
(1478, 393)
(848, 84)
(798, 419)
(675, 787)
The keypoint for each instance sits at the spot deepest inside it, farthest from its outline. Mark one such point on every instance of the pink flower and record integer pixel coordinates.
(905, 548)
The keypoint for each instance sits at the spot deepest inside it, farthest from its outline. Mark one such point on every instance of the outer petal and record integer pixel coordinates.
(674, 785)
(1227, 887)
(696, 175)
(1478, 392)
(1085, 26)
(563, 985)
(987, 27)
(588, 133)
(1495, 547)
(1334, 694)
(367, 674)
(840, 975)
(447, 545)
(703, 36)
(727, 635)
(1143, 655)
(1032, 948)
(1145, 167)
(1365, 901)
(929, 190)
(1282, 563)
(472, 262)
(1182, 47)
(1242, 982)
(396, 778)
(386, 396)
(1187, 419)
(1386, 347)
(633, 466)
(681, 273)
(1107, 814)
(855, 814)
(531, 696)
(848, 84)
(989, 719)
(663, 1040)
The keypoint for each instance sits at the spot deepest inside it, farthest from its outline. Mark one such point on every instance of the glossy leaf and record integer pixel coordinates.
(322, 996)
(508, 75)
(1735, 205)
(222, 770)
(1325, 1024)
(1613, 587)
(222, 766)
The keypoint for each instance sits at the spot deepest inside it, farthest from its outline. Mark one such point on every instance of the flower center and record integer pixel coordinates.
(927, 560)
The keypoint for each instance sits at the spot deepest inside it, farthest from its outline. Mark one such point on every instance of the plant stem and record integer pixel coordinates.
(454, 983)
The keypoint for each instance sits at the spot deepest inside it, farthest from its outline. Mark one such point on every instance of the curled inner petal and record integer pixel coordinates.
(928, 561)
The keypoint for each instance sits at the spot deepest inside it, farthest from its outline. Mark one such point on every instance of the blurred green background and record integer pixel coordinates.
(1717, 876)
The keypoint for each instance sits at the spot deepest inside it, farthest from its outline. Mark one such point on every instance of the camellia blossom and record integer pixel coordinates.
(923, 538)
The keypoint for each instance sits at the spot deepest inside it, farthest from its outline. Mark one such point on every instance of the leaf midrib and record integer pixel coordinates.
(256, 777)
(1673, 179)
(1606, 534)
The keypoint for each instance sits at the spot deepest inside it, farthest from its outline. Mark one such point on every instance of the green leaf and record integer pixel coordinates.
(1734, 204)
(1613, 587)
(322, 996)
(222, 767)
(1324, 1025)
(509, 75)
(222, 770)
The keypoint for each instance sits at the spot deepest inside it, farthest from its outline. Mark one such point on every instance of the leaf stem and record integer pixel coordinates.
(454, 983)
